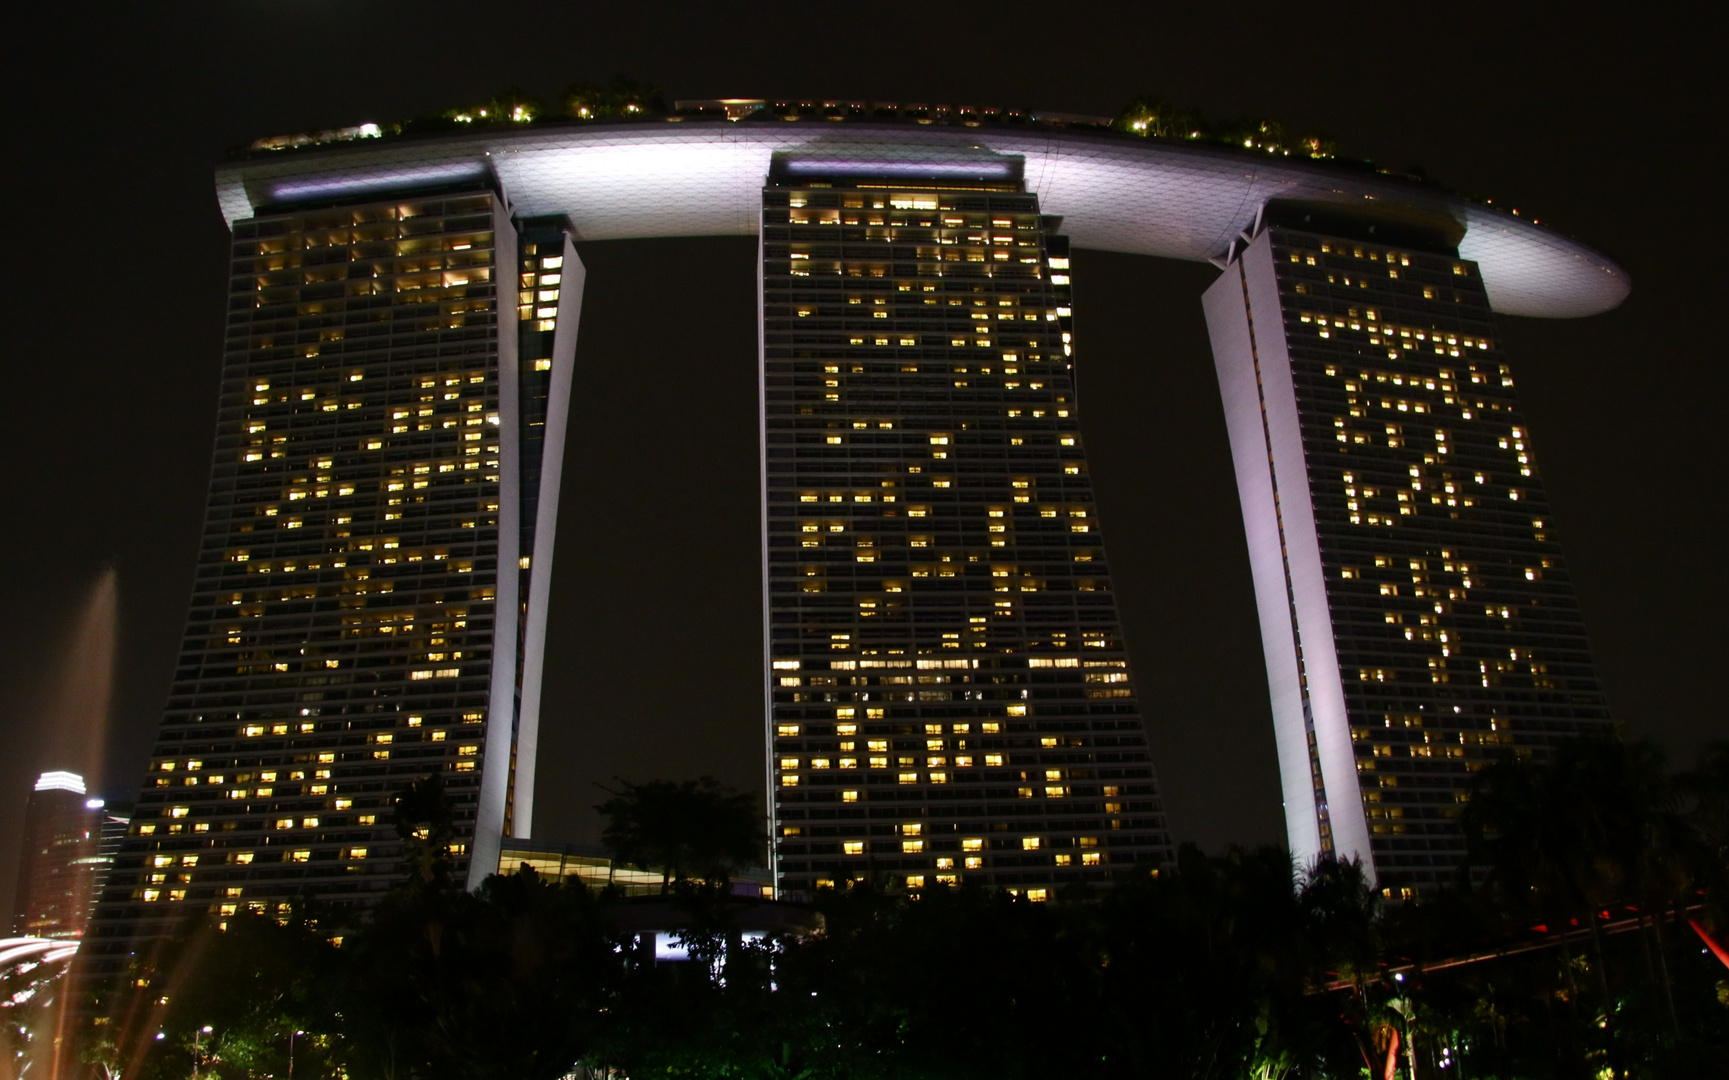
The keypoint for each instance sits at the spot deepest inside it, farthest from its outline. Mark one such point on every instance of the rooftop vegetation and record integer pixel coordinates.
(1156, 119)
(625, 99)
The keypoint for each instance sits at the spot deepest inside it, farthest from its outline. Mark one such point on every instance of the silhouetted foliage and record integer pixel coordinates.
(1155, 118)
(251, 980)
(513, 106)
(1229, 966)
(426, 826)
(508, 982)
(693, 827)
(622, 97)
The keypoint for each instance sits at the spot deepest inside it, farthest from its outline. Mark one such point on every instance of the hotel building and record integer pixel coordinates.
(947, 695)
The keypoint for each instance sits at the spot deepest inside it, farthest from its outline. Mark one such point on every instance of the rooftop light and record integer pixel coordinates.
(60, 781)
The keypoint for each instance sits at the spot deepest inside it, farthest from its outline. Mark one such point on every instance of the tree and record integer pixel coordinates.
(694, 827)
(426, 825)
(623, 97)
(513, 106)
(231, 994)
(1705, 791)
(1159, 119)
(511, 988)
(1600, 824)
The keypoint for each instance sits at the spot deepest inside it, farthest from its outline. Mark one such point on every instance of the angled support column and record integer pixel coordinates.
(1246, 324)
(548, 287)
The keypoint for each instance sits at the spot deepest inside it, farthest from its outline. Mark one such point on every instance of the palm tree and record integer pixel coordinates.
(1526, 829)
(1600, 823)
(694, 827)
(426, 825)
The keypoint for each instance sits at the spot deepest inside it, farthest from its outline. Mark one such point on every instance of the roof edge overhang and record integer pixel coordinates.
(1115, 192)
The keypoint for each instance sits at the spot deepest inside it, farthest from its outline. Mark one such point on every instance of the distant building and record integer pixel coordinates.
(114, 820)
(60, 861)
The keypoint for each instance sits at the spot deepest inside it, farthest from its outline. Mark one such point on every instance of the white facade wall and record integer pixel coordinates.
(1246, 324)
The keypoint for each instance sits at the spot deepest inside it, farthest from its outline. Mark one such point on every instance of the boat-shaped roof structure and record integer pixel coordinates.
(691, 176)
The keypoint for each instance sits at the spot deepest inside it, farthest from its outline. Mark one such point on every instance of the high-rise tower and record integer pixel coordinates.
(59, 861)
(1415, 611)
(371, 588)
(950, 693)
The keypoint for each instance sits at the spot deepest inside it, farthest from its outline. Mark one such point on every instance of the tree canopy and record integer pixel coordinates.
(683, 828)
(1564, 952)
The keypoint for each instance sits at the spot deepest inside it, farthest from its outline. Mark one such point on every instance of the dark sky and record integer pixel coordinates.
(1607, 127)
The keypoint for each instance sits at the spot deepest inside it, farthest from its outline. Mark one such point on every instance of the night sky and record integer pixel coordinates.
(115, 262)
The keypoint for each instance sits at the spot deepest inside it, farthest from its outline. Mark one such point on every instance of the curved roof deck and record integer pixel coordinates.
(1115, 192)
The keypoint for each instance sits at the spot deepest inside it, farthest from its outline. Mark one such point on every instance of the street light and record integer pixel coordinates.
(197, 1048)
(291, 1034)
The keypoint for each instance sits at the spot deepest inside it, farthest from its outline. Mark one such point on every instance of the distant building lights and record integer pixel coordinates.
(60, 781)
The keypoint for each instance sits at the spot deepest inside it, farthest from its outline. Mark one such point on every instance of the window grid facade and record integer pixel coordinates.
(1448, 606)
(342, 633)
(950, 697)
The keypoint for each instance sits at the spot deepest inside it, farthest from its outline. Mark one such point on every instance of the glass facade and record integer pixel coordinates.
(592, 865)
(1450, 627)
(360, 600)
(950, 696)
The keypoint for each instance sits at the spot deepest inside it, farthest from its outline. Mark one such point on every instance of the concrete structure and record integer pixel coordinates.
(372, 591)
